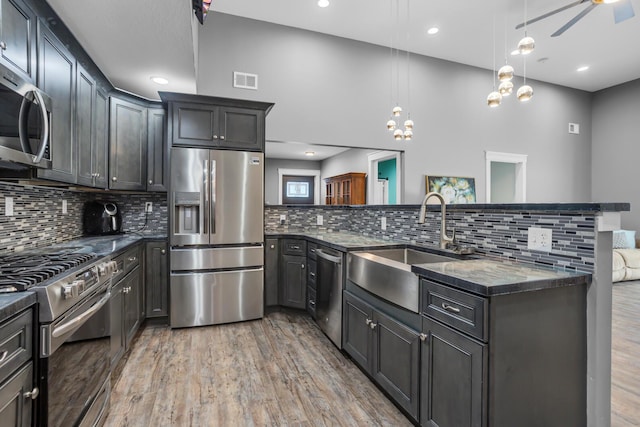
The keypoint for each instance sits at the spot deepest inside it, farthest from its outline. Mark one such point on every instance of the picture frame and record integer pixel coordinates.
(455, 190)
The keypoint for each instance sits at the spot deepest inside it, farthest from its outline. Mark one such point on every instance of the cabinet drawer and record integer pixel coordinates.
(311, 250)
(16, 343)
(311, 273)
(131, 258)
(294, 247)
(460, 310)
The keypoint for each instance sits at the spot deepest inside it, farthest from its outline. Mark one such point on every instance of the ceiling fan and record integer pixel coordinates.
(622, 10)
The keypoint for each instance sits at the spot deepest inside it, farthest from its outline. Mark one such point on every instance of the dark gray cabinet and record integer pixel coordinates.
(157, 158)
(116, 304)
(156, 279)
(18, 38)
(453, 379)
(133, 314)
(91, 131)
(271, 261)
(293, 281)
(15, 409)
(386, 349)
(57, 77)
(127, 145)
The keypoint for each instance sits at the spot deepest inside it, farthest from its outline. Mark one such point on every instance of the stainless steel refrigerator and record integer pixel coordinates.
(216, 236)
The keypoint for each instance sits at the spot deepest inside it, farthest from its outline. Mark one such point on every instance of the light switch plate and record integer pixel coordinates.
(320, 220)
(383, 223)
(539, 239)
(283, 219)
(64, 207)
(148, 206)
(8, 206)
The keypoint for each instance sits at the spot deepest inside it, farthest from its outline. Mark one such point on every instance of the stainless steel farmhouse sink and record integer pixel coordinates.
(387, 273)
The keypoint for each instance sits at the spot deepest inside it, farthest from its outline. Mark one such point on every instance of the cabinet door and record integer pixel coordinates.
(15, 409)
(85, 103)
(127, 146)
(271, 273)
(18, 38)
(396, 361)
(241, 128)
(194, 125)
(357, 335)
(293, 281)
(156, 279)
(116, 304)
(453, 378)
(101, 140)
(156, 150)
(132, 302)
(57, 77)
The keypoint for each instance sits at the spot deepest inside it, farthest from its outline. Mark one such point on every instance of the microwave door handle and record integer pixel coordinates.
(205, 190)
(213, 197)
(23, 134)
(45, 130)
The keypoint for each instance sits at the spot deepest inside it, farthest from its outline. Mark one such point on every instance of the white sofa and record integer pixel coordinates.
(626, 256)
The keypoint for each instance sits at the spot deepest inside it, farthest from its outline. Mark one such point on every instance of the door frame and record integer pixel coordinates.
(520, 161)
(300, 172)
(373, 160)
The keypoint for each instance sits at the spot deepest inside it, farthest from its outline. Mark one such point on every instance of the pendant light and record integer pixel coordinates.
(494, 98)
(506, 72)
(525, 46)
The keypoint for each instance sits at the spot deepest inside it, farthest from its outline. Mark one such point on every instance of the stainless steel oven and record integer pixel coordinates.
(75, 364)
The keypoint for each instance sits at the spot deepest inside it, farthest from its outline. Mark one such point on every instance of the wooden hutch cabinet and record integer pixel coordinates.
(346, 189)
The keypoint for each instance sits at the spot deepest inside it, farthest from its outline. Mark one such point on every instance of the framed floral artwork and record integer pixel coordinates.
(455, 190)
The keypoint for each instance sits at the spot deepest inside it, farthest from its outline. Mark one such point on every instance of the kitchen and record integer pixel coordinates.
(285, 123)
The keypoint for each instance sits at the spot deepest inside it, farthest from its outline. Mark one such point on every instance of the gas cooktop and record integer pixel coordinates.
(23, 270)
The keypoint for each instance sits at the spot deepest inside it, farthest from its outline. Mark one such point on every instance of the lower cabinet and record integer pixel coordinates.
(126, 313)
(271, 275)
(156, 279)
(453, 377)
(386, 349)
(15, 407)
(293, 281)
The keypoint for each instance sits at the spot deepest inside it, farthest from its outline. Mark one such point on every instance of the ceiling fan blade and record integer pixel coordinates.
(622, 11)
(578, 17)
(553, 12)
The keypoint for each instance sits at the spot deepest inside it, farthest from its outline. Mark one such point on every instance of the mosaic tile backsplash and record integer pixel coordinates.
(501, 234)
(38, 220)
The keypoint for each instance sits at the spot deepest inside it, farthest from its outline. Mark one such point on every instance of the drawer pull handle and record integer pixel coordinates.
(294, 247)
(312, 303)
(312, 274)
(131, 259)
(33, 394)
(450, 308)
(3, 355)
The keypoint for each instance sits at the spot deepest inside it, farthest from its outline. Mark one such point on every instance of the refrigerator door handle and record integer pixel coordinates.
(212, 213)
(205, 183)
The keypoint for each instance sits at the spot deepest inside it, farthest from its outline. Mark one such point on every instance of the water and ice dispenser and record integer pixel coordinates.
(188, 209)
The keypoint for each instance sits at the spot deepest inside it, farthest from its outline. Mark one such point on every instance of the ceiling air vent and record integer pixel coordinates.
(245, 80)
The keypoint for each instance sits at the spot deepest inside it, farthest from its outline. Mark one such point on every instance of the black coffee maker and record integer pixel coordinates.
(101, 218)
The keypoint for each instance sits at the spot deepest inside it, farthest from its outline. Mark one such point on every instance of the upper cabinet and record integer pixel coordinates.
(157, 159)
(127, 145)
(18, 38)
(205, 121)
(57, 78)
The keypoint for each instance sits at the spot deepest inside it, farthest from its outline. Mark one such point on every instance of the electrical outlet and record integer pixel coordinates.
(148, 206)
(8, 206)
(283, 219)
(383, 223)
(539, 239)
(320, 220)
(64, 207)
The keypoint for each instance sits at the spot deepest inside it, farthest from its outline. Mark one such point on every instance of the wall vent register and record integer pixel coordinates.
(245, 80)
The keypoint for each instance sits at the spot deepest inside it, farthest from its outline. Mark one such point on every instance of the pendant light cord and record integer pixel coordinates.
(408, 59)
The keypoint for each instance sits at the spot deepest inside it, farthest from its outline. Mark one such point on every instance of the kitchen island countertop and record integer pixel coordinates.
(343, 241)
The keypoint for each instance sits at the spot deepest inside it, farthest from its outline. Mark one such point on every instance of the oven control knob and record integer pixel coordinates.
(69, 291)
(79, 286)
(105, 269)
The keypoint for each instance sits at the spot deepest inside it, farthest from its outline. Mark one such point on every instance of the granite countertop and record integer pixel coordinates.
(13, 303)
(342, 241)
(490, 277)
(106, 245)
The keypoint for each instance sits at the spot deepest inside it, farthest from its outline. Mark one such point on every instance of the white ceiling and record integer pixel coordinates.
(132, 40)
(297, 150)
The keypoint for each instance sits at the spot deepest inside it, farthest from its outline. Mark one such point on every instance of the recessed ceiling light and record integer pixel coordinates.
(583, 68)
(159, 80)
(309, 153)
(515, 52)
(433, 30)
(323, 3)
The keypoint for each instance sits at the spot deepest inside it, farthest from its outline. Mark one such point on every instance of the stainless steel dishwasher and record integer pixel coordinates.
(329, 287)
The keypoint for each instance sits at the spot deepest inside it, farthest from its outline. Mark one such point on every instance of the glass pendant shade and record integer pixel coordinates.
(494, 99)
(397, 134)
(525, 93)
(391, 124)
(505, 73)
(397, 110)
(505, 88)
(408, 134)
(408, 124)
(526, 45)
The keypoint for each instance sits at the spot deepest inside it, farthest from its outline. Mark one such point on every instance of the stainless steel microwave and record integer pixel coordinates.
(25, 118)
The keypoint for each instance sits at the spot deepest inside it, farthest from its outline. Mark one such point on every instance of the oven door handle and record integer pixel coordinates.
(60, 330)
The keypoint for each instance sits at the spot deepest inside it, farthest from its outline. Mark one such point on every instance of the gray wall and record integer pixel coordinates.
(616, 148)
(271, 167)
(331, 90)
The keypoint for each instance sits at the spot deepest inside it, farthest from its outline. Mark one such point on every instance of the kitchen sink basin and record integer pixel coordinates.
(387, 273)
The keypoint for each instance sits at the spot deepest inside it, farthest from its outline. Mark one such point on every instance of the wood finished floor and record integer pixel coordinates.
(625, 355)
(278, 371)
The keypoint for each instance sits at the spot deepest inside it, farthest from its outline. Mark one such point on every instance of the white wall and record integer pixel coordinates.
(331, 90)
(616, 148)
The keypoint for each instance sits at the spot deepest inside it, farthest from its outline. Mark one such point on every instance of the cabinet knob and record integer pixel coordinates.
(302, 266)
(33, 394)
(3, 46)
(97, 175)
(368, 321)
(163, 251)
(221, 136)
(272, 246)
(423, 337)
(373, 325)
(215, 136)
(114, 179)
(150, 182)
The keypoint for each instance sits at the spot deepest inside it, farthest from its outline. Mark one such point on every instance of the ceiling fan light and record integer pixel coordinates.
(505, 88)
(505, 73)
(494, 99)
(525, 93)
(398, 134)
(396, 111)
(526, 45)
(391, 125)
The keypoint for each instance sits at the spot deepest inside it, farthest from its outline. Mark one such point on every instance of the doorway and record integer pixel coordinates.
(506, 180)
(384, 186)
